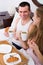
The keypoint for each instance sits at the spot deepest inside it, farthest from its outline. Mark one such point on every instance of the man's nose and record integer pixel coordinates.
(22, 13)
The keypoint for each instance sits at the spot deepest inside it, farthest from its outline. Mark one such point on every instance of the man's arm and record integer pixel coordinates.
(23, 43)
(10, 28)
(15, 28)
(6, 31)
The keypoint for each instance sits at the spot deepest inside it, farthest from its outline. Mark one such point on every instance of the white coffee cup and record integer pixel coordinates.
(10, 34)
(24, 36)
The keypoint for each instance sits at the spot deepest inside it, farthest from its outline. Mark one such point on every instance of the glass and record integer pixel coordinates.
(24, 36)
(10, 36)
(40, 1)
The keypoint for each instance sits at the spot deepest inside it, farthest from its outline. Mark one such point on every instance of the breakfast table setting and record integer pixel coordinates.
(9, 55)
(11, 52)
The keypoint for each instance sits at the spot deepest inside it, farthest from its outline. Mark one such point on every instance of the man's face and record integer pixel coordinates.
(24, 12)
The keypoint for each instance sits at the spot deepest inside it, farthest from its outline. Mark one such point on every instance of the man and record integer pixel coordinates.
(22, 23)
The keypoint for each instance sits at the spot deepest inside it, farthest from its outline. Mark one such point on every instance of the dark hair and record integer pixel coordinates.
(40, 14)
(37, 32)
(32, 31)
(39, 41)
(23, 4)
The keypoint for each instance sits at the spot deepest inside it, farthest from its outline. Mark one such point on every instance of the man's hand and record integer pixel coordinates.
(6, 31)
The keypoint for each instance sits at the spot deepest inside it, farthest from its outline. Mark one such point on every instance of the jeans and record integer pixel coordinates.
(17, 46)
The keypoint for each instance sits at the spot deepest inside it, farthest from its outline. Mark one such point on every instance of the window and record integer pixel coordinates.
(38, 2)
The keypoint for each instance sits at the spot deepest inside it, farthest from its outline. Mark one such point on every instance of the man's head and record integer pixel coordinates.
(24, 10)
(23, 4)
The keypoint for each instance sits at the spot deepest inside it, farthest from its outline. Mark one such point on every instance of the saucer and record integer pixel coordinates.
(5, 48)
(7, 56)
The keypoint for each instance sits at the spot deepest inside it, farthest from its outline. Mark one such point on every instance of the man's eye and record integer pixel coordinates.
(20, 11)
(25, 11)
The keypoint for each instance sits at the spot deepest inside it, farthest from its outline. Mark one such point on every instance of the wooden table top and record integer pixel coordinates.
(24, 59)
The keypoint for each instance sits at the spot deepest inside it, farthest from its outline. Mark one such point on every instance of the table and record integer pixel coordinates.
(24, 59)
(3, 37)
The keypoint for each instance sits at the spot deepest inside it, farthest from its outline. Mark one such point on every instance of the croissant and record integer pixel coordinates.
(12, 59)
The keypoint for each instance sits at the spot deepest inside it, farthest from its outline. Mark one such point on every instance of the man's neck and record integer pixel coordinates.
(24, 21)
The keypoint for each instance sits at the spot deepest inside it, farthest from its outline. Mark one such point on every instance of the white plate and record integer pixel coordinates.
(5, 57)
(5, 48)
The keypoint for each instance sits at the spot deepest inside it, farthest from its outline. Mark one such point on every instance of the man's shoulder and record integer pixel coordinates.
(17, 20)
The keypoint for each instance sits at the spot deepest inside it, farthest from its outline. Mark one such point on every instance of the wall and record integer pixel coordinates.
(6, 4)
